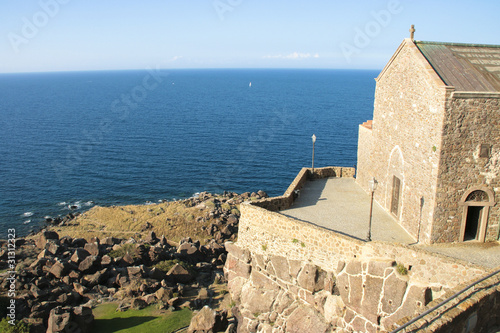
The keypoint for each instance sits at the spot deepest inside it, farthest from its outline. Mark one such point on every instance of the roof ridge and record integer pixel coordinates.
(456, 44)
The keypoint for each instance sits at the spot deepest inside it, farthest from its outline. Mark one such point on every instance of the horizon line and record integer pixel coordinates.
(190, 68)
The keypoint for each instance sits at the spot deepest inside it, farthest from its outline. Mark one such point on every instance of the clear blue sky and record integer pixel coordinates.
(65, 35)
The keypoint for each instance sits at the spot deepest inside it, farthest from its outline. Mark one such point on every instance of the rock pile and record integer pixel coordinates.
(65, 277)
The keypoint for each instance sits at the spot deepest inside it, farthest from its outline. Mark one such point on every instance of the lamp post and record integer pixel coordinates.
(314, 141)
(373, 186)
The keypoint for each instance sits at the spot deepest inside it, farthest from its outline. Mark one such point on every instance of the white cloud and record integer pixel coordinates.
(294, 55)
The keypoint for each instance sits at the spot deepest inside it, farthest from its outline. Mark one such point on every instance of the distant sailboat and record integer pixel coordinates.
(250, 84)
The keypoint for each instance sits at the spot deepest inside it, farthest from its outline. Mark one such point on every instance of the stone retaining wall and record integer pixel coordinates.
(282, 269)
(264, 232)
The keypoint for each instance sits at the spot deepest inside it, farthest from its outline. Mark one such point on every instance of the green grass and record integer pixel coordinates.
(150, 320)
(166, 265)
(19, 327)
(123, 250)
(401, 269)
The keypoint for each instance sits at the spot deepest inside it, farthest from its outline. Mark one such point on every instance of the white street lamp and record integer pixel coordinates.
(314, 141)
(373, 186)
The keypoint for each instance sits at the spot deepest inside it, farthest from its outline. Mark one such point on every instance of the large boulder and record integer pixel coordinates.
(157, 274)
(208, 320)
(190, 252)
(44, 237)
(89, 264)
(69, 319)
(79, 255)
(98, 277)
(164, 294)
(179, 274)
(59, 269)
(93, 248)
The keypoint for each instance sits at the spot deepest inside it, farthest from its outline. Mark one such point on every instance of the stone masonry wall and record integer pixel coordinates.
(363, 168)
(407, 122)
(281, 270)
(286, 200)
(476, 310)
(471, 120)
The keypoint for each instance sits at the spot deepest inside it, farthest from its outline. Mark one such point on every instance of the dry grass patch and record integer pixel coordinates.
(173, 219)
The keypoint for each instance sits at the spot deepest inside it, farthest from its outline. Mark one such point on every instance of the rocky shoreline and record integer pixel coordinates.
(59, 279)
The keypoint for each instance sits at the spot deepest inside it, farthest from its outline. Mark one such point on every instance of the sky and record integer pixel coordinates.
(80, 35)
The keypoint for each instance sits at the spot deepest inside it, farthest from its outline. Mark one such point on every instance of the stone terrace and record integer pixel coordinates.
(332, 200)
(339, 204)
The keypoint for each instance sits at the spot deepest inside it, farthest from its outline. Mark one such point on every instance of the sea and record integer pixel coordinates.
(73, 140)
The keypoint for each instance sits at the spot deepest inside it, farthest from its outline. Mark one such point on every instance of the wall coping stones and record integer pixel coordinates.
(475, 94)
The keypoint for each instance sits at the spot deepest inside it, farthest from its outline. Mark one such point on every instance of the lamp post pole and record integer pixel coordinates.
(373, 186)
(314, 141)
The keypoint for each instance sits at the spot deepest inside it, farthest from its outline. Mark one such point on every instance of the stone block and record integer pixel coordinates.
(340, 266)
(259, 261)
(305, 319)
(329, 283)
(283, 301)
(416, 299)
(237, 252)
(372, 291)
(353, 268)
(257, 300)
(295, 266)
(378, 267)
(238, 267)
(261, 281)
(359, 324)
(235, 286)
(334, 308)
(355, 292)
(307, 277)
(343, 286)
(394, 291)
(281, 268)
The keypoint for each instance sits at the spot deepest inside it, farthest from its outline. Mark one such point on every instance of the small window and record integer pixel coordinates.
(396, 189)
(484, 151)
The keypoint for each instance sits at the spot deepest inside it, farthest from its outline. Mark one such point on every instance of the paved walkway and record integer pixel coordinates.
(341, 205)
(484, 254)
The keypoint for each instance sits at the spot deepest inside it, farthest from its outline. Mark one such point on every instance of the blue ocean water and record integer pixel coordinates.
(129, 137)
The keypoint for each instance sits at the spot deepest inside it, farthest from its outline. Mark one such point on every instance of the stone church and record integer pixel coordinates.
(434, 142)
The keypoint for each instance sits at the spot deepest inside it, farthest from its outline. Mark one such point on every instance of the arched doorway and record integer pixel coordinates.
(476, 203)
